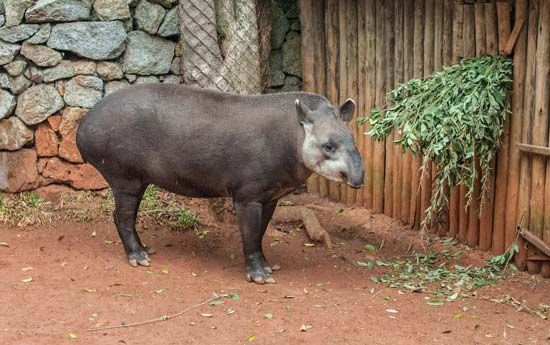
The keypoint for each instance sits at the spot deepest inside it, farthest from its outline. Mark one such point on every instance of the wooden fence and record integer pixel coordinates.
(364, 48)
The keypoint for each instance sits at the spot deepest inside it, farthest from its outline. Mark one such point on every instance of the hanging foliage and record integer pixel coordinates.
(452, 118)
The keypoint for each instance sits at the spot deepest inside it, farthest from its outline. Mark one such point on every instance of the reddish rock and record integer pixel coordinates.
(79, 176)
(54, 121)
(18, 170)
(45, 140)
(41, 164)
(67, 129)
(14, 134)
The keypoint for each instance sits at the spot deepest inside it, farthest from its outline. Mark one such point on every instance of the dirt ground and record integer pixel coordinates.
(81, 279)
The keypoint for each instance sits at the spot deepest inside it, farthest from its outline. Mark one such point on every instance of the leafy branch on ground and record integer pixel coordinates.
(436, 273)
(453, 118)
(157, 206)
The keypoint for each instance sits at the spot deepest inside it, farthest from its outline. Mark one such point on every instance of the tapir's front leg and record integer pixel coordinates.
(250, 224)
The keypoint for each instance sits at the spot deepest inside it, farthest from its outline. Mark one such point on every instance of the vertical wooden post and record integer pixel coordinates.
(398, 79)
(408, 72)
(370, 21)
(429, 25)
(418, 56)
(351, 72)
(342, 67)
(518, 113)
(378, 166)
(502, 171)
(540, 127)
(527, 132)
(331, 30)
(389, 57)
(469, 51)
(486, 220)
(457, 52)
(361, 84)
(542, 109)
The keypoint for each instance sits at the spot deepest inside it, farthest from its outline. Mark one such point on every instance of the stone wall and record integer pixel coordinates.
(60, 57)
(285, 64)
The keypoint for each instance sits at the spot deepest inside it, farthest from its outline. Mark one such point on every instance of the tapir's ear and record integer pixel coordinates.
(347, 109)
(303, 112)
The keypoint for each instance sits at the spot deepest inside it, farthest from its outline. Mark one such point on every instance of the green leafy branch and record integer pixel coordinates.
(453, 118)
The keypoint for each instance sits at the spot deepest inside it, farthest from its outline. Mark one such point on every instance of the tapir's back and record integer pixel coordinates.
(170, 133)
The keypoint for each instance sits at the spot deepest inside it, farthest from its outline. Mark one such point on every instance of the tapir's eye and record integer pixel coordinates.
(328, 148)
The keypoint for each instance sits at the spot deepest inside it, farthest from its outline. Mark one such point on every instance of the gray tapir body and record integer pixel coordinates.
(204, 143)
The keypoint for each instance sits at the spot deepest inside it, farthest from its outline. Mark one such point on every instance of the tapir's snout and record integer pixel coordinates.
(355, 176)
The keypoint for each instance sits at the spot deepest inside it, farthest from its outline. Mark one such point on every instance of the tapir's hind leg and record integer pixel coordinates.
(127, 196)
(267, 214)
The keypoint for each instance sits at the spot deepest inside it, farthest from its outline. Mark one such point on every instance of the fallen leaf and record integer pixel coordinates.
(289, 296)
(4, 244)
(108, 242)
(234, 296)
(206, 314)
(304, 328)
(252, 338)
(72, 335)
(230, 311)
(309, 244)
(366, 264)
(194, 274)
(435, 302)
(27, 280)
(447, 331)
(162, 290)
(89, 290)
(216, 302)
(393, 311)
(458, 315)
(453, 296)
(369, 247)
(268, 316)
(93, 234)
(164, 270)
(25, 269)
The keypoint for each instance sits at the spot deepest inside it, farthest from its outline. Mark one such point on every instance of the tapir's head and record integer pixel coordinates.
(329, 149)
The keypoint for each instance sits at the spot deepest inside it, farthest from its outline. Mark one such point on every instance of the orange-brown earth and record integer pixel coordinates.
(81, 279)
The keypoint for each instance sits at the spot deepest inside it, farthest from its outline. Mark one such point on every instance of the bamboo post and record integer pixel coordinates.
(457, 52)
(306, 6)
(331, 31)
(429, 24)
(398, 79)
(408, 72)
(518, 113)
(540, 127)
(418, 56)
(527, 134)
(469, 51)
(370, 70)
(502, 171)
(486, 220)
(446, 58)
(319, 57)
(378, 166)
(361, 84)
(542, 109)
(343, 68)
(389, 55)
(351, 72)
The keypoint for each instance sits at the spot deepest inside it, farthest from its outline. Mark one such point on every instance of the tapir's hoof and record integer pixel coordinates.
(140, 258)
(259, 277)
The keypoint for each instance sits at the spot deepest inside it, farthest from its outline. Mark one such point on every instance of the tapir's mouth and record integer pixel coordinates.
(356, 186)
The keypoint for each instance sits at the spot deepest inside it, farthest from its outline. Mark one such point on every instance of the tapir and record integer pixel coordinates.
(204, 143)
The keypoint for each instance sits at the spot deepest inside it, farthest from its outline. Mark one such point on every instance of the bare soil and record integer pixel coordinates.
(81, 279)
